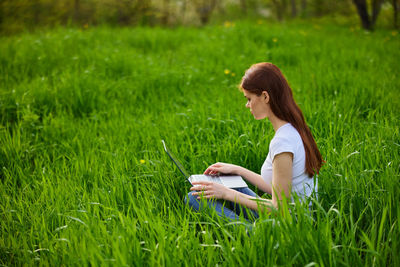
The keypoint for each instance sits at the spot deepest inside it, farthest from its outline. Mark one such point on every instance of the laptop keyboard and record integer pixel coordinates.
(199, 178)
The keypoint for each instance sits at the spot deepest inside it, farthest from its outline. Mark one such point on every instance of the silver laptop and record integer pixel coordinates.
(231, 181)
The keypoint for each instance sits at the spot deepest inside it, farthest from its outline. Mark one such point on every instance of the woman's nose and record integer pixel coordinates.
(247, 105)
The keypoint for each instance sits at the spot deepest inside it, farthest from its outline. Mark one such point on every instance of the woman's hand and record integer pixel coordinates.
(209, 190)
(221, 168)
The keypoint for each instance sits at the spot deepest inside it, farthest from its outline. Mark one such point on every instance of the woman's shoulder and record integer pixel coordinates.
(287, 132)
(286, 137)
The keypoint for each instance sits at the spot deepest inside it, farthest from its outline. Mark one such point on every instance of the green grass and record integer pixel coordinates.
(79, 110)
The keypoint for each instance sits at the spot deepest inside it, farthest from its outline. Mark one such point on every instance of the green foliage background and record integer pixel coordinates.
(18, 16)
(84, 179)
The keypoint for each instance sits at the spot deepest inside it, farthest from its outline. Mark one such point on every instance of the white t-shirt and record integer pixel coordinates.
(288, 139)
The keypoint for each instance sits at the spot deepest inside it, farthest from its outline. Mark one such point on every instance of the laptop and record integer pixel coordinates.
(231, 181)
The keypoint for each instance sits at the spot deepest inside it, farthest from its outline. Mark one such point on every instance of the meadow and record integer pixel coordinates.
(84, 179)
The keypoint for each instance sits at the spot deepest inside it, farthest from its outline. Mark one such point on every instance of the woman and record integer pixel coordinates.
(293, 158)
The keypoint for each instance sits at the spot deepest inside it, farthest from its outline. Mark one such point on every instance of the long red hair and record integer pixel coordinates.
(268, 77)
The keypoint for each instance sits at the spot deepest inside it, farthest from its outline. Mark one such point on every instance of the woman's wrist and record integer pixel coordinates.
(229, 194)
(239, 170)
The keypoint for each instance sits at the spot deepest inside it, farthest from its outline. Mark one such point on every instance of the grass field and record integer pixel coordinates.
(84, 180)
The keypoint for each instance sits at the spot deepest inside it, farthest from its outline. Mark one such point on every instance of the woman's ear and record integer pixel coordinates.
(266, 96)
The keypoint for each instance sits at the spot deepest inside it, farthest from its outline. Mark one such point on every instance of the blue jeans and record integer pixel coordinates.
(225, 209)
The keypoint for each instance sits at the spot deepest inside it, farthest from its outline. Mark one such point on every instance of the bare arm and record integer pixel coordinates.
(248, 175)
(255, 179)
(281, 186)
(282, 175)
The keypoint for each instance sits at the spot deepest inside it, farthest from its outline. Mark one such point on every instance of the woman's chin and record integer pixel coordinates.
(259, 117)
(256, 117)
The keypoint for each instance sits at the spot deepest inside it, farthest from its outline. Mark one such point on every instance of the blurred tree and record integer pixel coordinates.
(204, 9)
(125, 11)
(280, 8)
(20, 15)
(183, 9)
(76, 10)
(396, 6)
(304, 8)
(368, 21)
(243, 6)
(165, 12)
(319, 7)
(294, 8)
(36, 8)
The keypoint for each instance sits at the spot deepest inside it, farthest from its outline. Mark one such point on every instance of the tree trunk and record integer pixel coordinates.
(368, 21)
(376, 8)
(243, 5)
(362, 10)
(76, 10)
(36, 12)
(279, 9)
(395, 13)
(204, 9)
(2, 14)
(294, 9)
(165, 17)
(303, 4)
(304, 8)
(183, 11)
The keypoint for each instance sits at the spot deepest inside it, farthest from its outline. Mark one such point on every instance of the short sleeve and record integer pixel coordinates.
(280, 145)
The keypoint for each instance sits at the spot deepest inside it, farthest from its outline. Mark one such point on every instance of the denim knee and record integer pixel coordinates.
(192, 201)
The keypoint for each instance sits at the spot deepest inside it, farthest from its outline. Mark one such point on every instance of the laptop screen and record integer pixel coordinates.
(176, 161)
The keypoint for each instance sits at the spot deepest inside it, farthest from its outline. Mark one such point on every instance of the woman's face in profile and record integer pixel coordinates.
(258, 105)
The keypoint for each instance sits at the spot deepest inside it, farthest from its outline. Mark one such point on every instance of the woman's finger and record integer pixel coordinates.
(214, 172)
(206, 196)
(203, 192)
(199, 188)
(209, 170)
(213, 168)
(202, 183)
